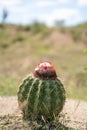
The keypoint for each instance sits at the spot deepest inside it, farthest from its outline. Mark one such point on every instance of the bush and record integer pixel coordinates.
(4, 45)
(76, 35)
(19, 38)
(24, 28)
(37, 27)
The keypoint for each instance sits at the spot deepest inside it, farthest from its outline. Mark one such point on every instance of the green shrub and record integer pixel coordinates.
(76, 35)
(37, 27)
(24, 28)
(19, 38)
(4, 45)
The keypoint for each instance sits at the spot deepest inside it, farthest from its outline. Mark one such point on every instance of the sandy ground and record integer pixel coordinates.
(76, 111)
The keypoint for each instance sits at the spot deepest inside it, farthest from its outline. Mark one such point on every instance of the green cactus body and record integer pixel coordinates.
(39, 97)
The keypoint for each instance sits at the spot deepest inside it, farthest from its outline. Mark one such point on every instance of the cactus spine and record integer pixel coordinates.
(41, 94)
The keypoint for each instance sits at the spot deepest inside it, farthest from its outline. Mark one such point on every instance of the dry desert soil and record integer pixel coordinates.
(75, 112)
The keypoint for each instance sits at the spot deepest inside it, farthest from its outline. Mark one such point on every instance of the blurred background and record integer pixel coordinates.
(32, 31)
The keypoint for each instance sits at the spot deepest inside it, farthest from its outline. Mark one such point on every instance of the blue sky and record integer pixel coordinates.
(47, 11)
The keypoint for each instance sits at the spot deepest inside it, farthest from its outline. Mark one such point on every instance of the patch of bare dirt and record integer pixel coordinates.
(75, 111)
(57, 37)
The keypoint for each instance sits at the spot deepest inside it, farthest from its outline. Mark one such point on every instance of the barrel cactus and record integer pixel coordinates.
(41, 94)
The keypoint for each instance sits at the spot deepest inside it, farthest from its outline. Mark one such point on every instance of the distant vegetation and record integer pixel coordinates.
(79, 33)
(22, 47)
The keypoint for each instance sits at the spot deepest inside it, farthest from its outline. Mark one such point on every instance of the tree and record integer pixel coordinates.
(4, 15)
(59, 23)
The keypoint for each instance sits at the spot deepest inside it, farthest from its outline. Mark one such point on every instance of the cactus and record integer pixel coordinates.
(41, 94)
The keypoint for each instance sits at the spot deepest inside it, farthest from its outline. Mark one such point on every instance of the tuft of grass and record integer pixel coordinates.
(16, 122)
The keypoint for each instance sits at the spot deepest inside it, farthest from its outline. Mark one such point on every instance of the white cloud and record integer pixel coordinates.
(69, 15)
(17, 11)
(10, 5)
(64, 1)
(41, 3)
(7, 3)
(24, 12)
(45, 3)
(82, 2)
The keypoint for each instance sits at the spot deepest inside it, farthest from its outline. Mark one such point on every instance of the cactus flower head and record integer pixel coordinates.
(45, 70)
